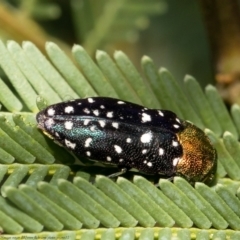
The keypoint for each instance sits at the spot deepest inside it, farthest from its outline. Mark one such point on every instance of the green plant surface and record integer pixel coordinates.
(202, 105)
(114, 75)
(120, 213)
(44, 195)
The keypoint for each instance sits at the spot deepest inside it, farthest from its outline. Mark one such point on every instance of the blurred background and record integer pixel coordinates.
(200, 38)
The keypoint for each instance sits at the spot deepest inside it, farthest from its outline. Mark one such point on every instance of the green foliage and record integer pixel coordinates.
(39, 191)
(96, 21)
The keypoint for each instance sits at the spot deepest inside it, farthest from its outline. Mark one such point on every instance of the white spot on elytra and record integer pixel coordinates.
(79, 103)
(175, 161)
(149, 164)
(68, 125)
(121, 102)
(160, 113)
(109, 114)
(88, 153)
(69, 109)
(70, 144)
(146, 137)
(128, 140)
(86, 122)
(144, 151)
(102, 107)
(51, 112)
(161, 151)
(86, 110)
(120, 160)
(115, 125)
(175, 126)
(118, 149)
(145, 161)
(96, 112)
(178, 120)
(92, 128)
(102, 123)
(90, 100)
(56, 134)
(146, 117)
(174, 143)
(87, 142)
(109, 159)
(49, 122)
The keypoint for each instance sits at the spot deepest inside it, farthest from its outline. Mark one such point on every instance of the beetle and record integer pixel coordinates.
(128, 135)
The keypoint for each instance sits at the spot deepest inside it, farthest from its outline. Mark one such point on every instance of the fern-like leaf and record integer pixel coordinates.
(39, 191)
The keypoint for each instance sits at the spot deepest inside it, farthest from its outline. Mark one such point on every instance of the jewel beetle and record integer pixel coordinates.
(130, 136)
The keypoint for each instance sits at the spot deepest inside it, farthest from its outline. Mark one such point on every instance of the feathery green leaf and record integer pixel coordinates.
(60, 198)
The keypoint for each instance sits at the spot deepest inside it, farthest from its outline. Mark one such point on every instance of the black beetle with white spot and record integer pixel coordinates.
(130, 136)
